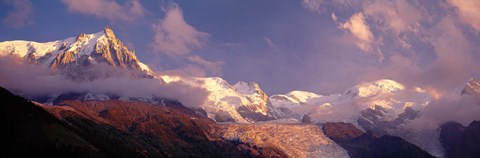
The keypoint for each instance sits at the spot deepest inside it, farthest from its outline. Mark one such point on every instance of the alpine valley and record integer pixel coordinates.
(97, 99)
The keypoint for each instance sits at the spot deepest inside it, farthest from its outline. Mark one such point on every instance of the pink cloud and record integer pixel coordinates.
(21, 14)
(469, 11)
(313, 5)
(174, 37)
(359, 28)
(398, 15)
(361, 34)
(107, 9)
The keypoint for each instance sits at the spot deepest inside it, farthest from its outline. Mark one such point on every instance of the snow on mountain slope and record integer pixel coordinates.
(223, 100)
(382, 100)
(390, 96)
(23, 48)
(80, 51)
(368, 89)
(298, 98)
(244, 102)
(472, 88)
(302, 96)
(257, 100)
(383, 106)
(296, 140)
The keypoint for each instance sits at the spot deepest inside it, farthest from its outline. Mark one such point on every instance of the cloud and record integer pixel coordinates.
(312, 5)
(358, 27)
(38, 80)
(21, 14)
(107, 9)
(423, 131)
(375, 21)
(451, 64)
(421, 46)
(469, 11)
(174, 37)
(270, 43)
(441, 59)
(212, 67)
(455, 62)
(232, 44)
(398, 15)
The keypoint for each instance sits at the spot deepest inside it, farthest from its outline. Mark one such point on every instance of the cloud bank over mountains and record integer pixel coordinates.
(35, 80)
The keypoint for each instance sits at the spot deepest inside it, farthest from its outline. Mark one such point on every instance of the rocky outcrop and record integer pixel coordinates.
(104, 47)
(341, 131)
(359, 144)
(460, 141)
(373, 119)
(257, 106)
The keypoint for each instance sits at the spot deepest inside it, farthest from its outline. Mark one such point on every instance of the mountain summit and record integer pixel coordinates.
(76, 53)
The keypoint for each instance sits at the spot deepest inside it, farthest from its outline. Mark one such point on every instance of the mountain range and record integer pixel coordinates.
(231, 120)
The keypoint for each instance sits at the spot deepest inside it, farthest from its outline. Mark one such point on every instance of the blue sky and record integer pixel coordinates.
(315, 45)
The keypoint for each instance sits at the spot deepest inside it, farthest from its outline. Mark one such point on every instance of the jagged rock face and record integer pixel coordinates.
(472, 88)
(80, 57)
(306, 119)
(373, 119)
(258, 106)
(460, 141)
(254, 94)
(115, 53)
(107, 48)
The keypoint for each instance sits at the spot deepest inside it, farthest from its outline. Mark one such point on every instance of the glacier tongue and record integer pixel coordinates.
(297, 140)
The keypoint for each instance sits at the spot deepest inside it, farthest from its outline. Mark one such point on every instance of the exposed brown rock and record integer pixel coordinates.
(341, 131)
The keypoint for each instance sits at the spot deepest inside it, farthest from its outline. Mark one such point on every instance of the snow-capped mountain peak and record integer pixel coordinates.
(246, 87)
(75, 52)
(367, 89)
(388, 96)
(242, 102)
(302, 96)
(85, 43)
(472, 87)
